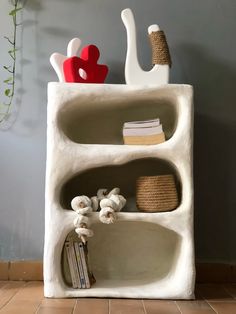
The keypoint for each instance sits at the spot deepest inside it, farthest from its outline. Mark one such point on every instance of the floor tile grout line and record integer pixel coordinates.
(18, 291)
(219, 300)
(39, 305)
(5, 304)
(144, 308)
(2, 289)
(223, 286)
(215, 311)
(203, 297)
(177, 305)
(227, 291)
(74, 307)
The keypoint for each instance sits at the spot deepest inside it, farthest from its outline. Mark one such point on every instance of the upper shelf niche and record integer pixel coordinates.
(100, 120)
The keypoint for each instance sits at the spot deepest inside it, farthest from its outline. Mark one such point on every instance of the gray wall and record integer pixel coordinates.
(201, 36)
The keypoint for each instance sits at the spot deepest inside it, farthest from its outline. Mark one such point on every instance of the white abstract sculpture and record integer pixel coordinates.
(158, 75)
(57, 59)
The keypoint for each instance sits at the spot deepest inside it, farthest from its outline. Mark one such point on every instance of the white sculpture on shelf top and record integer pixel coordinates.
(159, 74)
(57, 59)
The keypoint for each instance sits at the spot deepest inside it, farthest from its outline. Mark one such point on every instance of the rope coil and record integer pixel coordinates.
(156, 193)
(160, 49)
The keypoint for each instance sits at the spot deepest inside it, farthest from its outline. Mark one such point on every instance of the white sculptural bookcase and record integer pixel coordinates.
(140, 255)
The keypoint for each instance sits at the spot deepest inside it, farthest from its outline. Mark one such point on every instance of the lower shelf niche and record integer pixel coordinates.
(129, 253)
(123, 176)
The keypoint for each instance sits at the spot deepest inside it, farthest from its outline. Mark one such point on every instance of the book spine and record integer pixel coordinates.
(75, 264)
(79, 262)
(84, 264)
(144, 140)
(143, 131)
(71, 266)
(140, 124)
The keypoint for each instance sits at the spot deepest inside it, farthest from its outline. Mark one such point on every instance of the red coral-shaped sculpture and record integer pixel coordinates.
(85, 69)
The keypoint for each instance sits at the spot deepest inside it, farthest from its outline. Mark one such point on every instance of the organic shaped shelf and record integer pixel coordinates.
(142, 255)
(124, 176)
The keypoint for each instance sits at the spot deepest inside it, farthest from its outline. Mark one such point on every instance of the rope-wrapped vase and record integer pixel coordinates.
(160, 49)
(156, 193)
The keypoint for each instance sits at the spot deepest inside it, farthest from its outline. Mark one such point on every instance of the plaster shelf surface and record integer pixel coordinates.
(84, 153)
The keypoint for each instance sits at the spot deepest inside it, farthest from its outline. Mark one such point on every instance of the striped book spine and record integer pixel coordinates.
(80, 266)
(84, 264)
(71, 266)
(77, 276)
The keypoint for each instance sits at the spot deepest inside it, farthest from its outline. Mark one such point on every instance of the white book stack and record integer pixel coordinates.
(145, 132)
(77, 256)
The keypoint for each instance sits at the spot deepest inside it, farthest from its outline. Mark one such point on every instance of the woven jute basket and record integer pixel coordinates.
(156, 193)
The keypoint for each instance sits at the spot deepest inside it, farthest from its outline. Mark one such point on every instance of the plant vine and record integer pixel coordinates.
(11, 69)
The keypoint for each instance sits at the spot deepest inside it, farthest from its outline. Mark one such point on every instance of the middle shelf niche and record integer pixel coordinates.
(123, 176)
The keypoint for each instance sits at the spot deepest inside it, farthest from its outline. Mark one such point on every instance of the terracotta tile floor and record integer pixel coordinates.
(17, 297)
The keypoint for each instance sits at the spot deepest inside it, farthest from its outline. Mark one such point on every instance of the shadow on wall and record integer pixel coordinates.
(28, 5)
(214, 153)
(35, 5)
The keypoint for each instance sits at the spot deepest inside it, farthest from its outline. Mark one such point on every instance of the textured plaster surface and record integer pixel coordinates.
(169, 235)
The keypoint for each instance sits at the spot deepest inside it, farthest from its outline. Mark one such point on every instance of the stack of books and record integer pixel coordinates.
(77, 256)
(145, 132)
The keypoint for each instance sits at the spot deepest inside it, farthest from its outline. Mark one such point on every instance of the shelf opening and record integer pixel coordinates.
(123, 176)
(98, 120)
(133, 253)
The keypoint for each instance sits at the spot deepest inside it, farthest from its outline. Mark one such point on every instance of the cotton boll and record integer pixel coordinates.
(106, 202)
(84, 232)
(102, 193)
(107, 215)
(119, 200)
(114, 191)
(122, 201)
(84, 211)
(94, 201)
(80, 202)
(80, 219)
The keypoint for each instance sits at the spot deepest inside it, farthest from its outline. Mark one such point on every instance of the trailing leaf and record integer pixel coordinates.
(13, 12)
(13, 50)
(8, 92)
(8, 69)
(8, 80)
(9, 40)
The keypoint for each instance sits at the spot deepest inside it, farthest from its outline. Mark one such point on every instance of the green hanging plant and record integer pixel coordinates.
(9, 82)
